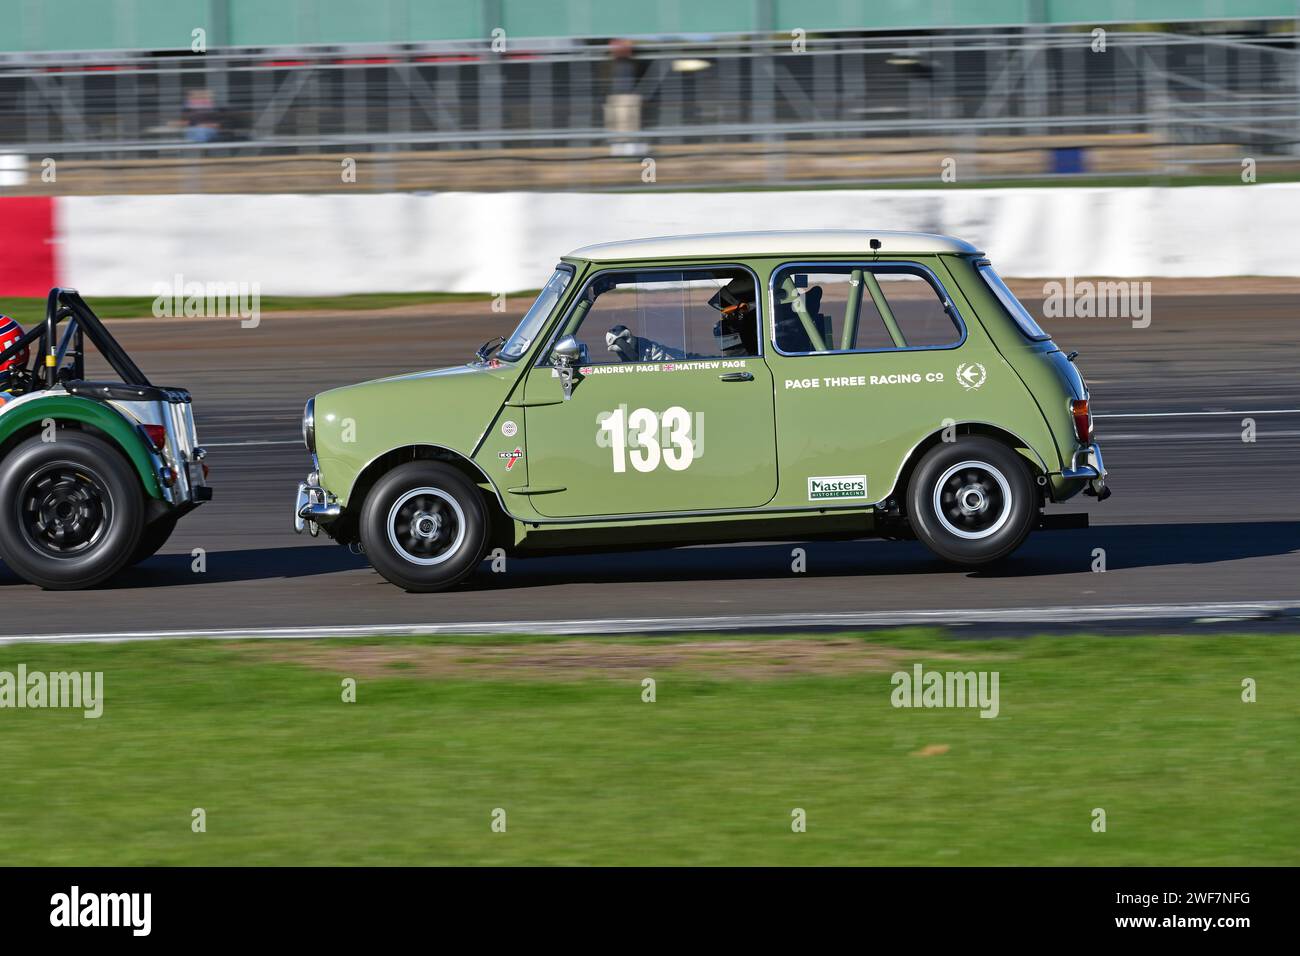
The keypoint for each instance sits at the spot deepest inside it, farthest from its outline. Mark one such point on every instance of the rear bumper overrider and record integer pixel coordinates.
(1086, 464)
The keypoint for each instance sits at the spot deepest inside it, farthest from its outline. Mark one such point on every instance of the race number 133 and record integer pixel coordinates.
(647, 438)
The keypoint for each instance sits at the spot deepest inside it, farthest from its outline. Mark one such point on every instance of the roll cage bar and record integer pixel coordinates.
(82, 323)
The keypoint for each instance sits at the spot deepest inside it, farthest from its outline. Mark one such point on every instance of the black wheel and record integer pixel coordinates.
(972, 501)
(153, 537)
(424, 526)
(70, 511)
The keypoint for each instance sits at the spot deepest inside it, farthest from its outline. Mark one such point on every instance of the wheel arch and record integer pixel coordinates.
(385, 462)
(26, 420)
(897, 497)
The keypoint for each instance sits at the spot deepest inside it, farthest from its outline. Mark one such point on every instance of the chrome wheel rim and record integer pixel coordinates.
(972, 500)
(426, 526)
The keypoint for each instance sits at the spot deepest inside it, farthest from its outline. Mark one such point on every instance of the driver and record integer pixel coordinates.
(10, 333)
(735, 332)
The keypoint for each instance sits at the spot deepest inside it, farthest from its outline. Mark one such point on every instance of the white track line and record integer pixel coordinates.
(1083, 617)
(1107, 439)
(1261, 411)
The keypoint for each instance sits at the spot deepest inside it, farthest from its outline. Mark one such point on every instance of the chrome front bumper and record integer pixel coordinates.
(313, 507)
(1086, 463)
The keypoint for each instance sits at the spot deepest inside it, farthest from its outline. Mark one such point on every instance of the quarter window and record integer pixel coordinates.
(666, 315)
(1026, 322)
(856, 308)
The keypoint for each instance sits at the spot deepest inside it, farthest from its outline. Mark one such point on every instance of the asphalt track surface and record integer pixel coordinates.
(1197, 515)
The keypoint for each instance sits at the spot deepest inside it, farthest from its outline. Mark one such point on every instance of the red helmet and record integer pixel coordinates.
(10, 333)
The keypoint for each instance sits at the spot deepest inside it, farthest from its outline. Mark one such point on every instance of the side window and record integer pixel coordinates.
(666, 315)
(853, 308)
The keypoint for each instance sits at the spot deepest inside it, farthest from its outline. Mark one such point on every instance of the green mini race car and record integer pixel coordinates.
(94, 474)
(718, 388)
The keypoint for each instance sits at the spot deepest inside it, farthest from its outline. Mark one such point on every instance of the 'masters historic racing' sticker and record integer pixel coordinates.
(824, 487)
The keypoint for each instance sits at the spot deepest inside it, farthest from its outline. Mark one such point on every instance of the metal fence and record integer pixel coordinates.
(768, 110)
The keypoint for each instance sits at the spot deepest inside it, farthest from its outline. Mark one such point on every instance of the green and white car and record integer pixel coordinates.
(94, 472)
(718, 388)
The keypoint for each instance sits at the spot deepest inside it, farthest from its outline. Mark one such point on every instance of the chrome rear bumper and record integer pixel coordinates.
(1086, 463)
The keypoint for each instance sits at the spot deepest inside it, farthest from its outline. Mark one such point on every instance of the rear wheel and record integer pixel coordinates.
(153, 538)
(70, 511)
(424, 526)
(972, 501)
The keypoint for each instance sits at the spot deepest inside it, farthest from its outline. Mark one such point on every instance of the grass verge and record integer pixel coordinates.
(29, 310)
(742, 731)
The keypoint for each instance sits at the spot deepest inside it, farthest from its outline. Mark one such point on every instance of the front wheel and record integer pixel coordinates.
(70, 511)
(972, 501)
(424, 526)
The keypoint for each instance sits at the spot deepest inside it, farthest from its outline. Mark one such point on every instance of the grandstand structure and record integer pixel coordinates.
(243, 95)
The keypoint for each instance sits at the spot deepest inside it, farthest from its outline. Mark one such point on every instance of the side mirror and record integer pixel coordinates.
(567, 355)
(568, 352)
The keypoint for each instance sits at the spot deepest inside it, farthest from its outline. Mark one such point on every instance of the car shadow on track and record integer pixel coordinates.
(253, 564)
(1045, 553)
(1131, 546)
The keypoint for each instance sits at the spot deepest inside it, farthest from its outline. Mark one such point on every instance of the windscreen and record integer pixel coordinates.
(536, 316)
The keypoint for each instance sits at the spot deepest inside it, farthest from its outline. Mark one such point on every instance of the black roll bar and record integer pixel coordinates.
(63, 304)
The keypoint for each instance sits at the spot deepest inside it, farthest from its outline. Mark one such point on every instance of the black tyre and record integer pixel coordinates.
(972, 501)
(152, 538)
(71, 511)
(424, 526)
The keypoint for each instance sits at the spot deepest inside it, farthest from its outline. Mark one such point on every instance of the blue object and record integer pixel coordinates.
(1068, 159)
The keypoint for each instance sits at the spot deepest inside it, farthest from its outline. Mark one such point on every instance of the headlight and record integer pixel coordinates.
(309, 425)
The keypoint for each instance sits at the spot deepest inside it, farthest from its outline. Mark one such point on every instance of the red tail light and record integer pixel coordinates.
(157, 435)
(1082, 420)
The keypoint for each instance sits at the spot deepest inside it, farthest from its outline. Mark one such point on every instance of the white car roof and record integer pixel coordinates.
(797, 242)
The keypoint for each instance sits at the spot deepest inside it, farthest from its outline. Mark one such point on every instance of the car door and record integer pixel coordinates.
(670, 411)
(868, 359)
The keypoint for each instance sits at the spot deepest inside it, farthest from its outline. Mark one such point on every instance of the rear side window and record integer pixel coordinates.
(1028, 325)
(824, 309)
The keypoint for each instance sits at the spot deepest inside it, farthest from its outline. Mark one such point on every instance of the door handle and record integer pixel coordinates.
(737, 377)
